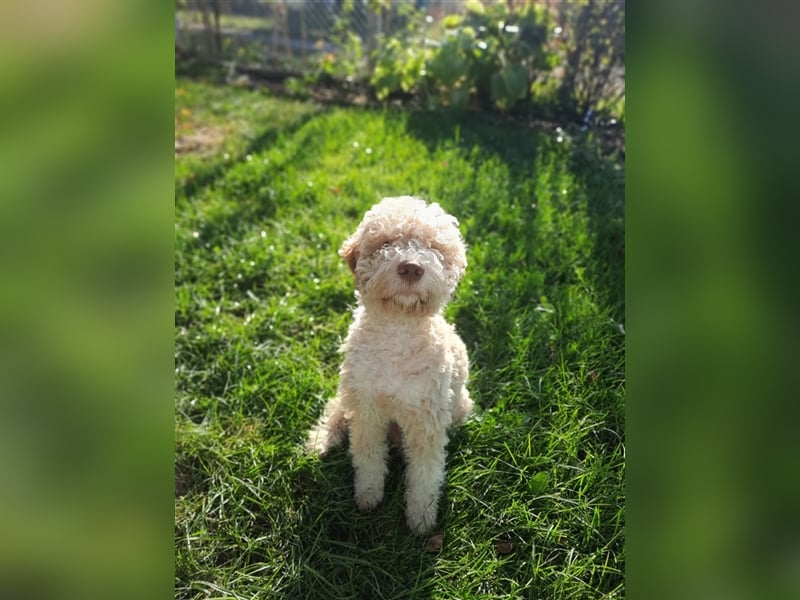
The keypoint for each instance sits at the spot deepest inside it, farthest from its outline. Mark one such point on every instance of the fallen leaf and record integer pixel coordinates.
(504, 547)
(434, 543)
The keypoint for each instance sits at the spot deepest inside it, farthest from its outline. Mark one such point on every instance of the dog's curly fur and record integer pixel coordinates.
(405, 367)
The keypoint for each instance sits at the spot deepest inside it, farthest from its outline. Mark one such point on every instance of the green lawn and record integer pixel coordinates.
(533, 506)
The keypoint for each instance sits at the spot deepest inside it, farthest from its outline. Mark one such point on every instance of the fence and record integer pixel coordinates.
(297, 36)
(290, 35)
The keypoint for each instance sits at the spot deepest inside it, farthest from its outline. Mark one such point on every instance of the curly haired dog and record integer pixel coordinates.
(405, 367)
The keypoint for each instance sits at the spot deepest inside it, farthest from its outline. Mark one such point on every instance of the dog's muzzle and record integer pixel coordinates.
(410, 271)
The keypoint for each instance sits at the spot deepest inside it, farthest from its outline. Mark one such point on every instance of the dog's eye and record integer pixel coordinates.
(381, 246)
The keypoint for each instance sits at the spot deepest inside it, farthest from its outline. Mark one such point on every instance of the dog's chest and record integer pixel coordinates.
(395, 363)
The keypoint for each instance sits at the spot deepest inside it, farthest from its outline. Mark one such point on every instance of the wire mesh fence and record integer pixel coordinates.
(340, 38)
(296, 34)
(291, 35)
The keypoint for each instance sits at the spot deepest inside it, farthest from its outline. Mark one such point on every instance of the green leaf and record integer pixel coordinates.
(516, 80)
(452, 21)
(509, 85)
(474, 6)
(538, 483)
(448, 66)
(500, 92)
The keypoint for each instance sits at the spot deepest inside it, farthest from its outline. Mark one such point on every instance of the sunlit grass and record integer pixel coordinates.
(533, 503)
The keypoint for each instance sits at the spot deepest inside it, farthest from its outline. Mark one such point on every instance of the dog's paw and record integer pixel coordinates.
(315, 447)
(318, 442)
(421, 521)
(368, 499)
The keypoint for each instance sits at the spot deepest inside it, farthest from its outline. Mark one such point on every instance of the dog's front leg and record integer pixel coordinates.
(370, 453)
(425, 462)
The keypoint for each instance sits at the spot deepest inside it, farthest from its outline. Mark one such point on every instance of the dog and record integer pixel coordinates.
(405, 368)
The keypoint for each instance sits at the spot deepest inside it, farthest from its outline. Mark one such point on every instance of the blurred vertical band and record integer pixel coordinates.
(713, 486)
(86, 305)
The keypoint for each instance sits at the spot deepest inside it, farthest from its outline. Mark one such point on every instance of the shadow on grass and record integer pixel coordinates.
(525, 260)
(603, 179)
(211, 173)
(214, 76)
(339, 552)
(516, 144)
(519, 260)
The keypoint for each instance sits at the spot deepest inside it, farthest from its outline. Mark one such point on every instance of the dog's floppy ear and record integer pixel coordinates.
(349, 252)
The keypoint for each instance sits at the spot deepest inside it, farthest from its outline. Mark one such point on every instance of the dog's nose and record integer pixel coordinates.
(410, 271)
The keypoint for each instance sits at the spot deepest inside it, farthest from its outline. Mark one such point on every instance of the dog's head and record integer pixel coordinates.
(407, 256)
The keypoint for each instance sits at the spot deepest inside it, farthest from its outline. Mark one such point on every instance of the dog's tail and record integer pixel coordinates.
(329, 430)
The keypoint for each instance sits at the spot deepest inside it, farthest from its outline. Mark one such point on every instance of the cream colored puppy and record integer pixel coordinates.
(404, 367)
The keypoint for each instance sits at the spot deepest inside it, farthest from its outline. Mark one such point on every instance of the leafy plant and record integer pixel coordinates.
(489, 56)
(397, 67)
(349, 62)
(400, 60)
(509, 50)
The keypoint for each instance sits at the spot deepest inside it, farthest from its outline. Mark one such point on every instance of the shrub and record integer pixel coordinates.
(556, 64)
(594, 57)
(489, 56)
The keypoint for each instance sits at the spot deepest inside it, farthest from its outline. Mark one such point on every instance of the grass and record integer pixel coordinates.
(227, 20)
(533, 505)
